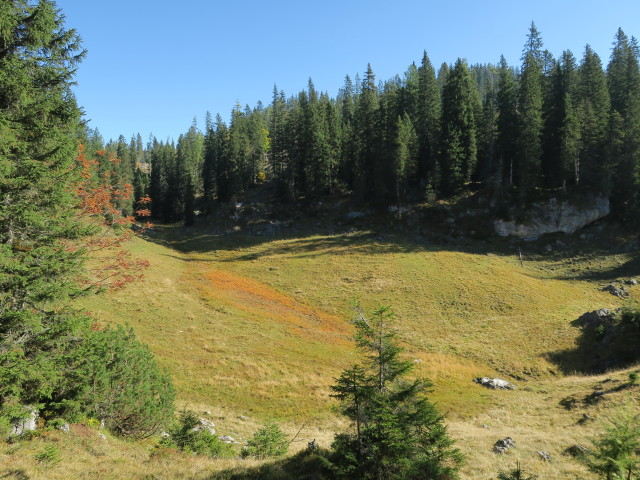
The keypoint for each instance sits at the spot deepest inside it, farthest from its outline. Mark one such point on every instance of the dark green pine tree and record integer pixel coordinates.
(209, 164)
(397, 432)
(367, 126)
(488, 169)
(593, 105)
(405, 155)
(39, 128)
(560, 160)
(460, 103)
(427, 123)
(530, 117)
(347, 105)
(623, 76)
(507, 123)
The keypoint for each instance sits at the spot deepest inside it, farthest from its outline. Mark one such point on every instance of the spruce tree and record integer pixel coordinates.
(397, 432)
(530, 117)
(507, 123)
(45, 182)
(367, 124)
(458, 132)
(39, 124)
(427, 122)
(593, 105)
(623, 74)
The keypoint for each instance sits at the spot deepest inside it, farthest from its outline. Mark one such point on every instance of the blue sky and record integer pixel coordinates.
(154, 65)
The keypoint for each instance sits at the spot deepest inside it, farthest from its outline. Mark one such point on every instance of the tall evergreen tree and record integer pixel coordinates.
(507, 123)
(593, 105)
(427, 122)
(458, 138)
(368, 138)
(398, 433)
(530, 116)
(623, 76)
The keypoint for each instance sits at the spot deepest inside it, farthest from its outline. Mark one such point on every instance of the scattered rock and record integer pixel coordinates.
(312, 446)
(102, 436)
(631, 282)
(484, 425)
(620, 292)
(596, 318)
(544, 456)
(501, 446)
(242, 417)
(494, 383)
(584, 419)
(165, 435)
(27, 424)
(64, 428)
(205, 425)
(227, 439)
(577, 450)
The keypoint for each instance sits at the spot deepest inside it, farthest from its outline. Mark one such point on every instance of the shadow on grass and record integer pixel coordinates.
(599, 348)
(15, 475)
(304, 465)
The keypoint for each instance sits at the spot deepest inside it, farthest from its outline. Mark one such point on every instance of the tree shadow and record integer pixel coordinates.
(305, 465)
(602, 345)
(15, 475)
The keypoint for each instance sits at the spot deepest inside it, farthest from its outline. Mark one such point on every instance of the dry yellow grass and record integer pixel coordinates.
(253, 329)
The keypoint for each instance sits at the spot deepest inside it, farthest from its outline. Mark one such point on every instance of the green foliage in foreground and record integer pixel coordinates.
(124, 385)
(515, 474)
(397, 433)
(50, 359)
(189, 436)
(268, 441)
(617, 450)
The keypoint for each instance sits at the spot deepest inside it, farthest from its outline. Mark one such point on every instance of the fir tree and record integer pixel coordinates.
(427, 122)
(398, 433)
(592, 102)
(458, 138)
(623, 74)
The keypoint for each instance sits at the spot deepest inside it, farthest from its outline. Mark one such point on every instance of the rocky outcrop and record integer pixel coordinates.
(494, 383)
(501, 446)
(26, 424)
(555, 216)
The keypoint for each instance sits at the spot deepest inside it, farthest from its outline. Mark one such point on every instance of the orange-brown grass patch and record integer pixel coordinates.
(272, 306)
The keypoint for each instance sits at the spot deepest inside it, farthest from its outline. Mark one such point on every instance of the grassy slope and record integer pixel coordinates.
(253, 329)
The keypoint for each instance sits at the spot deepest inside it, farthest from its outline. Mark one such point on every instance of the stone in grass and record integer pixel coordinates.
(544, 456)
(494, 383)
(501, 446)
(27, 424)
(205, 425)
(577, 450)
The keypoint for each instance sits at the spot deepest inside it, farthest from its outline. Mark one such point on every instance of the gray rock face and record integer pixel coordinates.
(620, 292)
(205, 425)
(27, 424)
(501, 446)
(596, 318)
(494, 383)
(545, 456)
(554, 216)
(64, 428)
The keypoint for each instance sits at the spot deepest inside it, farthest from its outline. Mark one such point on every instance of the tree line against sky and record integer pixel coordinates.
(547, 125)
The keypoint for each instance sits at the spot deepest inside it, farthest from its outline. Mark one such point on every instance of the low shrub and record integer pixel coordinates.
(267, 442)
(190, 436)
